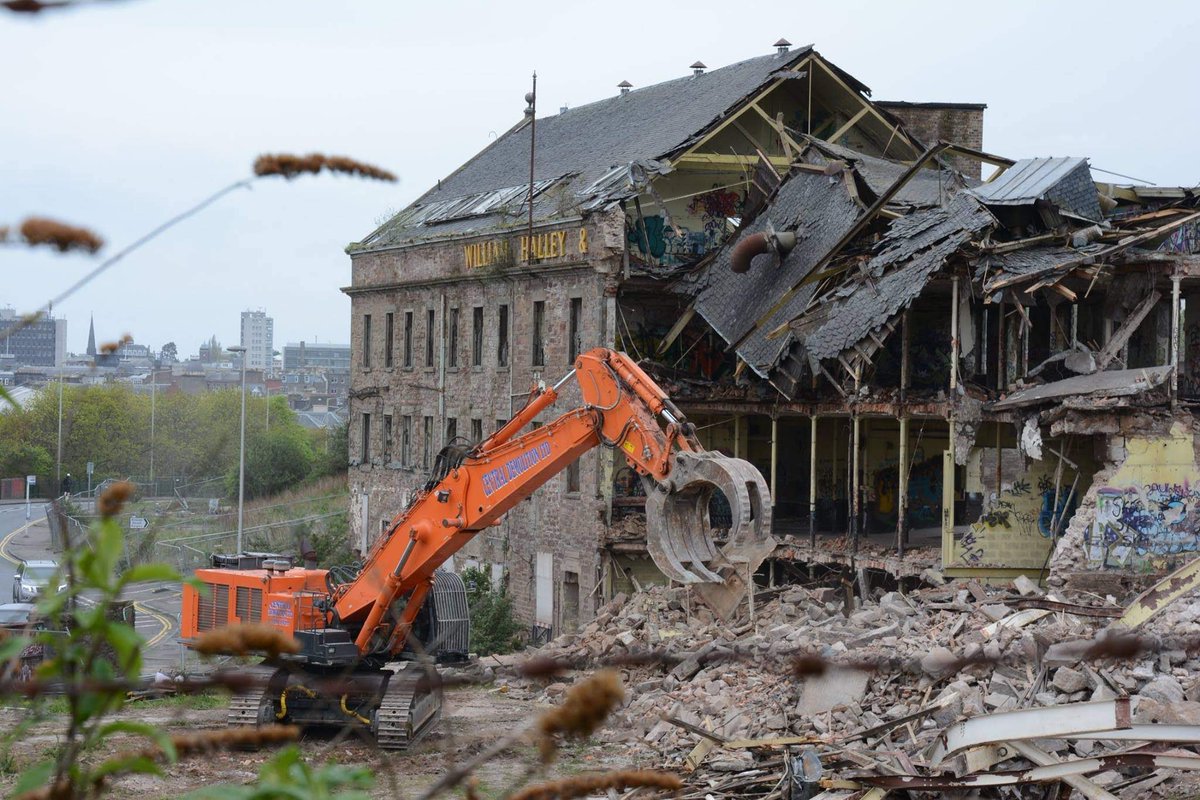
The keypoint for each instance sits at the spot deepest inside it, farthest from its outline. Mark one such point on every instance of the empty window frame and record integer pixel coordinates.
(477, 336)
(405, 441)
(476, 431)
(502, 340)
(387, 437)
(451, 430)
(389, 344)
(430, 322)
(454, 337)
(539, 326)
(408, 334)
(574, 334)
(427, 442)
(365, 452)
(366, 352)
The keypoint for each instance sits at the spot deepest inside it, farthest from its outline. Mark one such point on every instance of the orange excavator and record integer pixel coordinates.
(353, 624)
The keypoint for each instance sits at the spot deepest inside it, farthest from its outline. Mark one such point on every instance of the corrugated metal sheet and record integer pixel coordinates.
(1065, 182)
(1027, 180)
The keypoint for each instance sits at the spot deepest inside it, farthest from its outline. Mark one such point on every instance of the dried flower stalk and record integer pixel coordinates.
(598, 783)
(113, 499)
(583, 710)
(240, 640)
(289, 166)
(60, 236)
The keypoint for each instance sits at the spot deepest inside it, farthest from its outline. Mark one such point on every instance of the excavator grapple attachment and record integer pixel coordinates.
(689, 541)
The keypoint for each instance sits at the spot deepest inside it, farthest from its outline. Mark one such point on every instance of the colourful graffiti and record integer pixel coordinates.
(715, 208)
(924, 492)
(1017, 511)
(1143, 527)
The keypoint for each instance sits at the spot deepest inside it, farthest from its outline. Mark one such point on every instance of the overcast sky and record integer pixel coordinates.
(118, 116)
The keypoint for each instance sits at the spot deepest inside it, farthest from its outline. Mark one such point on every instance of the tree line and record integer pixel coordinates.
(195, 437)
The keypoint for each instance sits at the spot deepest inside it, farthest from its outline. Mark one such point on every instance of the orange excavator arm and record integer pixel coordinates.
(622, 407)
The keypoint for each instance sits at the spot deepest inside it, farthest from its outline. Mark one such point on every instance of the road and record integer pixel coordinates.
(12, 520)
(157, 604)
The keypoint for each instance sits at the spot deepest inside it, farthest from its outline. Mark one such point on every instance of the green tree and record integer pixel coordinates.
(494, 627)
(169, 352)
(335, 457)
(274, 461)
(22, 458)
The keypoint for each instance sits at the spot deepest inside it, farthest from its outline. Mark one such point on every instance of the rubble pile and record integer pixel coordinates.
(879, 682)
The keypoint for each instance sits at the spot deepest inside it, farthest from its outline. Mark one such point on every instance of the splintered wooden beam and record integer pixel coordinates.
(676, 329)
(1122, 334)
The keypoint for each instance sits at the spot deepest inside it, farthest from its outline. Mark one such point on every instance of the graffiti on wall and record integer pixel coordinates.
(1018, 512)
(924, 491)
(1143, 527)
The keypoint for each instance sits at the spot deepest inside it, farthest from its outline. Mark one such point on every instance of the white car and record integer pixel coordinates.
(32, 579)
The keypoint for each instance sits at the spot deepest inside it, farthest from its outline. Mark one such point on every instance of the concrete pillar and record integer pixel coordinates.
(812, 482)
(954, 337)
(774, 460)
(855, 483)
(902, 488)
(1174, 341)
(737, 437)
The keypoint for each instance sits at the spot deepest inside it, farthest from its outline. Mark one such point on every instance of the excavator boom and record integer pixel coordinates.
(370, 618)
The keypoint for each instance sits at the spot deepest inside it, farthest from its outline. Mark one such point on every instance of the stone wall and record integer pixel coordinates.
(957, 123)
(431, 389)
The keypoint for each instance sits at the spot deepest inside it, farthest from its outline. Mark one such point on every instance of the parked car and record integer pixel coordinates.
(32, 579)
(20, 616)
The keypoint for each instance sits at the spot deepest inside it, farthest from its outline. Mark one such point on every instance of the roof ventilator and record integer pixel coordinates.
(756, 244)
(698, 68)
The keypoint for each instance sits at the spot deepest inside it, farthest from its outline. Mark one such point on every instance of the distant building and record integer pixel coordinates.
(303, 355)
(39, 344)
(258, 337)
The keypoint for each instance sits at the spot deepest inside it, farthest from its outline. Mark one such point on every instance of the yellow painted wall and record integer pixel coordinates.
(1014, 530)
(1148, 515)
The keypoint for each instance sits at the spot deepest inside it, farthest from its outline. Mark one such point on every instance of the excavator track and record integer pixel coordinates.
(252, 707)
(406, 712)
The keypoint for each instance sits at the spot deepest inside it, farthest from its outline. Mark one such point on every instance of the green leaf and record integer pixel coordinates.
(35, 777)
(8, 398)
(149, 572)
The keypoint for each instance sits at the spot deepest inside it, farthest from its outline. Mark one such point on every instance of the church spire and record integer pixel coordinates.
(91, 348)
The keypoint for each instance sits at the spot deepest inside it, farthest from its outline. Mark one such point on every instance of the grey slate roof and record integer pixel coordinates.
(913, 249)
(1066, 182)
(730, 303)
(583, 144)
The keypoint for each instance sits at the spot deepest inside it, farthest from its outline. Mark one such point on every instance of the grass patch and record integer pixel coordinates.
(202, 701)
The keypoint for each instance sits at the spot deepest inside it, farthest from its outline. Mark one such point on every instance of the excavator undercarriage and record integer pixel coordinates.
(354, 626)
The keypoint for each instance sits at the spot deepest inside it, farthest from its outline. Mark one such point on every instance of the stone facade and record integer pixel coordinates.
(958, 123)
(435, 384)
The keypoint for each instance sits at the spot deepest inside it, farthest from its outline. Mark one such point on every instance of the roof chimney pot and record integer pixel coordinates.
(782, 46)
(698, 68)
(624, 86)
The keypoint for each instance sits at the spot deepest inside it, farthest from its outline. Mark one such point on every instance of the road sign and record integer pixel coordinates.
(137, 523)
(91, 467)
(31, 480)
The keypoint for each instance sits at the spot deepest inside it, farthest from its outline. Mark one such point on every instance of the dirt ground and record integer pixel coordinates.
(472, 719)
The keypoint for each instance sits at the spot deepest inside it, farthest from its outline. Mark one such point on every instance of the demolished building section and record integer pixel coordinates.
(938, 356)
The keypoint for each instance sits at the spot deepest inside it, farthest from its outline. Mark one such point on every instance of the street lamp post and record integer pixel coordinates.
(241, 450)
